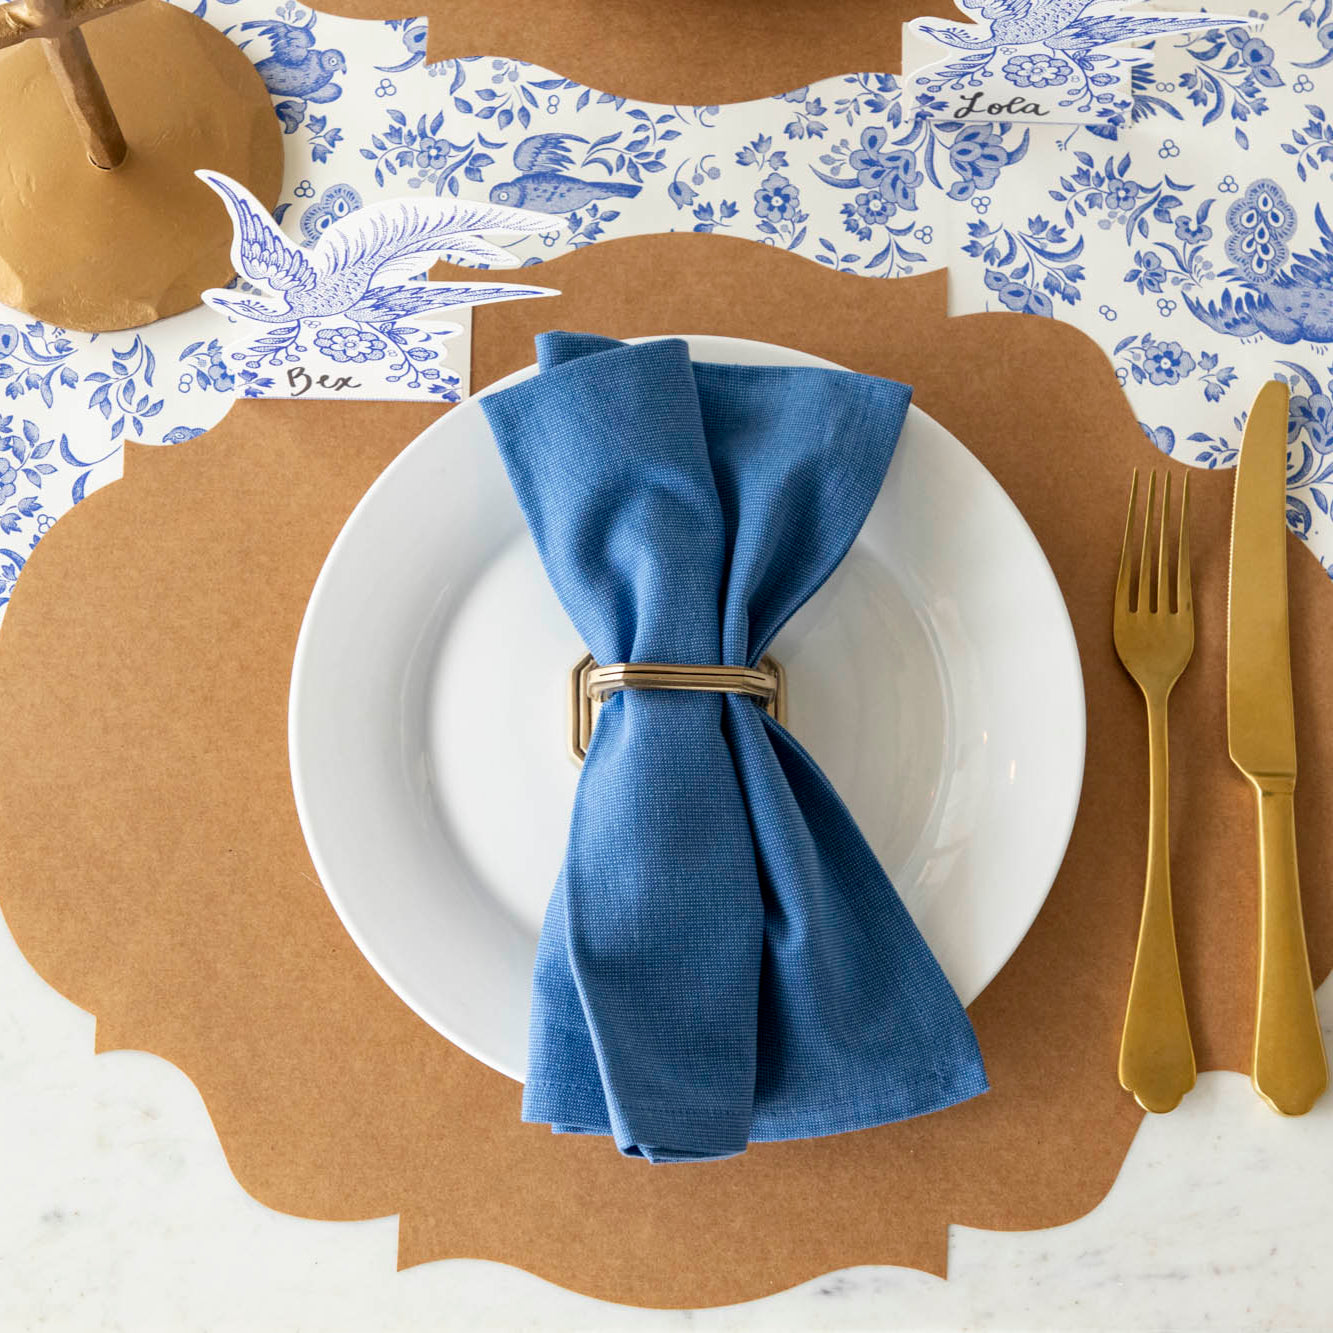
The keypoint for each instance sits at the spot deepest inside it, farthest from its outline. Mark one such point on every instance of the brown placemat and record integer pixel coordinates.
(688, 53)
(162, 881)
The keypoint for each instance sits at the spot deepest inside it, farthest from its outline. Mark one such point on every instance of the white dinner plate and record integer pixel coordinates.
(935, 678)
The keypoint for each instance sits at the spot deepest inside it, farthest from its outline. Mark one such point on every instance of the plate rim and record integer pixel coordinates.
(1072, 799)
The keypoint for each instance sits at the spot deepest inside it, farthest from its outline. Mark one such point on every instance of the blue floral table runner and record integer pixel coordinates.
(1185, 236)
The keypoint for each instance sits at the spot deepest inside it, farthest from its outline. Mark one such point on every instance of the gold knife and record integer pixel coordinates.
(1290, 1070)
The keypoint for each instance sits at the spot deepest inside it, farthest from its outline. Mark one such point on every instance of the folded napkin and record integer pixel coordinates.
(723, 960)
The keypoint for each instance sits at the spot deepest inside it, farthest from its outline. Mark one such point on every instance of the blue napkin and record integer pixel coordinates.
(723, 959)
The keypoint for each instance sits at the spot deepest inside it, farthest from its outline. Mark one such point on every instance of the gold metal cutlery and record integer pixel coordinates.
(1290, 1070)
(1155, 640)
(1154, 637)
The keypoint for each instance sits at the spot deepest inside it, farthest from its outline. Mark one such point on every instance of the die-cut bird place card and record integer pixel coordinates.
(353, 316)
(1041, 61)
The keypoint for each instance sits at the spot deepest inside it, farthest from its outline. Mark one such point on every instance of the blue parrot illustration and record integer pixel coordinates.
(413, 35)
(541, 158)
(352, 270)
(1289, 305)
(294, 68)
(1062, 25)
(336, 202)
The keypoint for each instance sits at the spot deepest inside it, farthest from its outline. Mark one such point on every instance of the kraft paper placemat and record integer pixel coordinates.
(690, 53)
(144, 668)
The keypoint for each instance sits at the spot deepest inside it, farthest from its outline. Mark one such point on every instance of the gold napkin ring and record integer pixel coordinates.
(589, 684)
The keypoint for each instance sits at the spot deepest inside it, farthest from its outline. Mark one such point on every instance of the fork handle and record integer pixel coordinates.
(1156, 1057)
(1290, 1069)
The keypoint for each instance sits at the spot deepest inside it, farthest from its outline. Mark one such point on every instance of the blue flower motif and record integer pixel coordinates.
(8, 479)
(1255, 52)
(977, 156)
(1150, 273)
(1192, 233)
(1035, 71)
(893, 173)
(1257, 57)
(870, 157)
(1261, 222)
(1122, 194)
(9, 339)
(777, 199)
(1018, 296)
(347, 343)
(1313, 414)
(219, 376)
(681, 194)
(338, 201)
(873, 208)
(1166, 363)
(432, 154)
(1162, 436)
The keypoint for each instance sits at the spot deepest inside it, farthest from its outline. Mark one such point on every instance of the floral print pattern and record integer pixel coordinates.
(1036, 71)
(1261, 222)
(349, 344)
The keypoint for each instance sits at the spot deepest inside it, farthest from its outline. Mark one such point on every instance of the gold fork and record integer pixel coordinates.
(1155, 643)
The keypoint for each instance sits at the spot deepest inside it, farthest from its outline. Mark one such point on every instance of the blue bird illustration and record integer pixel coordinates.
(1288, 304)
(541, 158)
(353, 270)
(414, 39)
(336, 202)
(294, 68)
(1062, 25)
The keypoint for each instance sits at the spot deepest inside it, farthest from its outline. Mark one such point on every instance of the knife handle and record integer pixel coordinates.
(1290, 1069)
(1156, 1057)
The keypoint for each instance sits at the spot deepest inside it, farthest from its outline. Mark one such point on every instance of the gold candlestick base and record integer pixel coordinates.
(96, 250)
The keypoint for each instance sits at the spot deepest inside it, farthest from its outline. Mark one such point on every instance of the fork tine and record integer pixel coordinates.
(1122, 578)
(1184, 593)
(1163, 588)
(1145, 554)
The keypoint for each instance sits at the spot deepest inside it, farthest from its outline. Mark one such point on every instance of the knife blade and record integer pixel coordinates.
(1289, 1068)
(1261, 724)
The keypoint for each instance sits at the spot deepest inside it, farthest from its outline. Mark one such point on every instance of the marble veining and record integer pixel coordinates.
(120, 1213)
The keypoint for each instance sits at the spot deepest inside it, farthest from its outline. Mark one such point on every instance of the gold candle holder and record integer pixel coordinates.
(103, 225)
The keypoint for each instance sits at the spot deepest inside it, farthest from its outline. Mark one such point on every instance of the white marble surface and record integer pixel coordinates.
(118, 1212)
